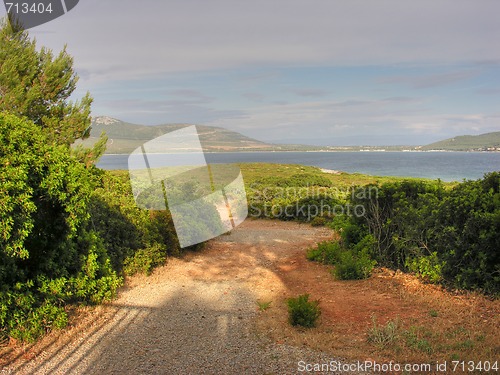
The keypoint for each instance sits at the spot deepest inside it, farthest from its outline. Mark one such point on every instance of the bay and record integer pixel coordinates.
(448, 166)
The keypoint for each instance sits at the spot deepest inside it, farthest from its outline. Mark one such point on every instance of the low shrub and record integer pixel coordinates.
(352, 266)
(319, 221)
(428, 267)
(302, 312)
(145, 260)
(326, 252)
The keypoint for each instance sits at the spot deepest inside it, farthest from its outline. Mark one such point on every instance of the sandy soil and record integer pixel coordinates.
(195, 315)
(199, 315)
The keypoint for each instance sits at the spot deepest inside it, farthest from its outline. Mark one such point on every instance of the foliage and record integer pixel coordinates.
(319, 221)
(127, 229)
(428, 267)
(352, 263)
(442, 234)
(302, 312)
(353, 266)
(303, 179)
(145, 260)
(326, 252)
(469, 234)
(68, 231)
(49, 254)
(36, 85)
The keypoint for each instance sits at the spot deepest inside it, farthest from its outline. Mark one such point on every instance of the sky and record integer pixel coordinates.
(324, 72)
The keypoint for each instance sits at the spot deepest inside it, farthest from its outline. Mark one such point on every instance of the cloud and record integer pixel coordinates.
(489, 91)
(191, 94)
(254, 96)
(307, 92)
(432, 80)
(288, 68)
(143, 111)
(328, 121)
(136, 39)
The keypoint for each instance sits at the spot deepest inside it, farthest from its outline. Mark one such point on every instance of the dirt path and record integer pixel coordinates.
(196, 315)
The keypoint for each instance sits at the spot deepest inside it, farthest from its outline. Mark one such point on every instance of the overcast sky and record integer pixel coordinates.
(308, 71)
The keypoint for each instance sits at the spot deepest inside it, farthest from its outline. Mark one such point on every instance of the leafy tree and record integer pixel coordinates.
(49, 253)
(36, 85)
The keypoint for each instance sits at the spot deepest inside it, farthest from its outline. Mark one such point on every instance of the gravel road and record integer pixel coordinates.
(195, 315)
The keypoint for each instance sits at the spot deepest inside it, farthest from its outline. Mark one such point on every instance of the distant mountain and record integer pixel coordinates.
(125, 137)
(482, 142)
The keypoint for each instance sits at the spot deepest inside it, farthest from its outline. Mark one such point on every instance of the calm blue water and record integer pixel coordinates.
(448, 166)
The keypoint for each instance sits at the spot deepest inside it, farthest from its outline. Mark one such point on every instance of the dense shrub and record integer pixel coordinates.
(49, 254)
(302, 312)
(351, 263)
(326, 252)
(468, 234)
(66, 228)
(449, 235)
(306, 196)
(145, 260)
(352, 266)
(68, 232)
(127, 229)
(428, 267)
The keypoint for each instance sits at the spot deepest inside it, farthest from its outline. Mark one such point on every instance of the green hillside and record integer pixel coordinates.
(125, 137)
(482, 142)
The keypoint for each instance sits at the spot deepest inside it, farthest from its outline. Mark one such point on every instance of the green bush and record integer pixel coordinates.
(458, 226)
(339, 222)
(353, 266)
(468, 234)
(352, 234)
(350, 264)
(145, 260)
(429, 267)
(326, 252)
(49, 254)
(302, 312)
(319, 221)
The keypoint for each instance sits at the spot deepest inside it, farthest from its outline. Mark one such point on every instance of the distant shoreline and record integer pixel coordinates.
(317, 151)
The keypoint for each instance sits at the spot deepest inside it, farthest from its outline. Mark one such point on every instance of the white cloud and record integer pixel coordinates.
(331, 121)
(112, 40)
(141, 61)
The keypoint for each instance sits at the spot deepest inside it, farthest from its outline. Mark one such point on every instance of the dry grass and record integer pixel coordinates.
(435, 325)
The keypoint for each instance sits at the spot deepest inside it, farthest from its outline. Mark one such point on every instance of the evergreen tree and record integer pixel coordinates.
(36, 85)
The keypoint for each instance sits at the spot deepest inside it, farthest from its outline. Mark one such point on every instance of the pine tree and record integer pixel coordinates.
(36, 85)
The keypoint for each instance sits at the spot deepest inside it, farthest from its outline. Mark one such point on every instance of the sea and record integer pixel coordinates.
(447, 166)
